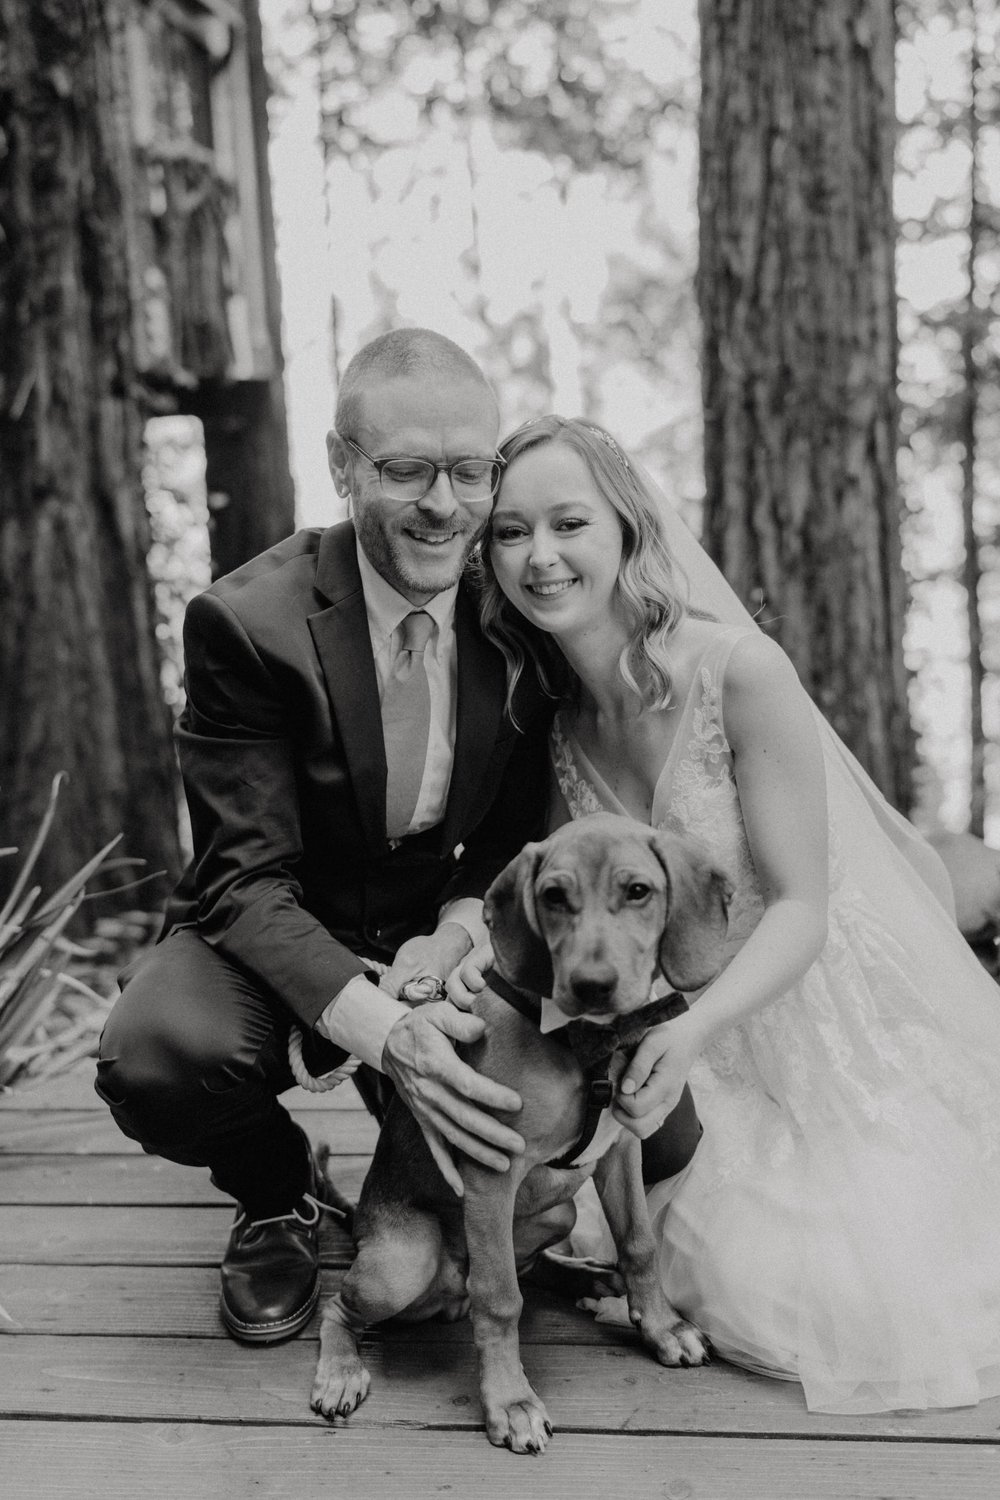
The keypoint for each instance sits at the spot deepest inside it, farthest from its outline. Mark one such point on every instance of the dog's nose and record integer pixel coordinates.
(595, 987)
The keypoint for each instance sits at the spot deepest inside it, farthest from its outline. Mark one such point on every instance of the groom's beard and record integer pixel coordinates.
(418, 554)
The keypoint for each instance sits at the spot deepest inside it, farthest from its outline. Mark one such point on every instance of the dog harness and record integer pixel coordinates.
(593, 1046)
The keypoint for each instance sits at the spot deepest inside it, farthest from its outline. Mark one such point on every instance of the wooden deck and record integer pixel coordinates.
(116, 1378)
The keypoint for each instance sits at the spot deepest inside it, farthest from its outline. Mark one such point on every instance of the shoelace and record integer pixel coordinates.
(317, 1206)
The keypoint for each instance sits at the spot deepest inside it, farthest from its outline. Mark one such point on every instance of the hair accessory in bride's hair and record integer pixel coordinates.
(607, 438)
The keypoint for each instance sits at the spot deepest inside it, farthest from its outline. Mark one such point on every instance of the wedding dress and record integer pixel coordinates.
(840, 1221)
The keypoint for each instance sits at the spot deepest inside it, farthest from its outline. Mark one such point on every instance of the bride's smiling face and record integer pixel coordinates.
(556, 542)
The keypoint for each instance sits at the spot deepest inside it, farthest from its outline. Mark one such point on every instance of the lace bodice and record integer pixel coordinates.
(861, 1012)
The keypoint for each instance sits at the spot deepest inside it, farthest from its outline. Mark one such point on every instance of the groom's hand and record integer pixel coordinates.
(444, 1094)
(436, 954)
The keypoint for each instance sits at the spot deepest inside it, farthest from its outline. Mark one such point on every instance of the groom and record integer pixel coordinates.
(354, 784)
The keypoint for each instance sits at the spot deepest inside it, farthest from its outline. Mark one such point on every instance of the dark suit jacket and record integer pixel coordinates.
(283, 762)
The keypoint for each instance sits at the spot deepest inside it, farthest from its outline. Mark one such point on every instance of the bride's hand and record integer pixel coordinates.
(466, 981)
(654, 1080)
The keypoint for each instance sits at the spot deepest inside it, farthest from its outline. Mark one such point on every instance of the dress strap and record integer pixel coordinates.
(720, 647)
(709, 676)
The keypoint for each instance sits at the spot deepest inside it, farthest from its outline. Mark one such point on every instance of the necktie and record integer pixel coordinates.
(406, 722)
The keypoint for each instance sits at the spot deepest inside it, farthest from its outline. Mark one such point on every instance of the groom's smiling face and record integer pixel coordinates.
(419, 546)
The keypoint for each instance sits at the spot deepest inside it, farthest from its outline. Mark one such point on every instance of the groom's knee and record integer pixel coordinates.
(185, 1039)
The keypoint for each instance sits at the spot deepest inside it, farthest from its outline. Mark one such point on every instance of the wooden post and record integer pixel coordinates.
(250, 496)
(252, 499)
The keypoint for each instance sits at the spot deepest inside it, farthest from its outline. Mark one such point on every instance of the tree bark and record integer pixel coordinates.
(79, 665)
(796, 291)
(968, 431)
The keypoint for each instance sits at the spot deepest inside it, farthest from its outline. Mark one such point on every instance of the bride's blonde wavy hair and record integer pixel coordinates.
(651, 589)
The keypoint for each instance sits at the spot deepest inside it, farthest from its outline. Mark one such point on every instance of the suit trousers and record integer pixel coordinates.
(194, 1056)
(192, 1060)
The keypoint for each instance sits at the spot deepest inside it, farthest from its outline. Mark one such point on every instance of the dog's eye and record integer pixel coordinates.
(637, 890)
(554, 898)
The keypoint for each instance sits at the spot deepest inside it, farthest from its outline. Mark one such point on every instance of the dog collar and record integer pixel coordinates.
(525, 1002)
(592, 1045)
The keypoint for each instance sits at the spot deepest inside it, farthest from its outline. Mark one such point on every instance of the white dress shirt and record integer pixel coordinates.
(361, 1016)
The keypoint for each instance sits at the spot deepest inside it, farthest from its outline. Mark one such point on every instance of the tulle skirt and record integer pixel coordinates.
(839, 1224)
(867, 1270)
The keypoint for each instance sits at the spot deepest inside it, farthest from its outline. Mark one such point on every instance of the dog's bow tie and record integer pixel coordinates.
(592, 1041)
(593, 1046)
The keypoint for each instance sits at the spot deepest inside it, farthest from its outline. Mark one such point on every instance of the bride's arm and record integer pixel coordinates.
(778, 764)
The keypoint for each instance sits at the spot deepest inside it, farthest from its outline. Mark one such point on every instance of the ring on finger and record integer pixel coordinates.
(425, 987)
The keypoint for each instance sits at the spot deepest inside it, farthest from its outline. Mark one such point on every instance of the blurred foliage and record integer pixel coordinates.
(179, 561)
(552, 78)
(437, 104)
(33, 942)
(37, 1035)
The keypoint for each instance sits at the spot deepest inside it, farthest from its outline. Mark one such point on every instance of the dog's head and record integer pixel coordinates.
(589, 914)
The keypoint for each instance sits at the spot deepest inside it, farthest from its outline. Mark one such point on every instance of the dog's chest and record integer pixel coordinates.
(608, 1128)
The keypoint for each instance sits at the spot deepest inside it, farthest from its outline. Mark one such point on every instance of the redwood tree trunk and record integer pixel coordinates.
(968, 424)
(79, 665)
(252, 497)
(796, 291)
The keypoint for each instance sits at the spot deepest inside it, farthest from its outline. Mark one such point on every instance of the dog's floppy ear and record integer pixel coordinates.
(509, 911)
(698, 893)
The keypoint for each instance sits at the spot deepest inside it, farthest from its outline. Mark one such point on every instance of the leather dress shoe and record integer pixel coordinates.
(270, 1272)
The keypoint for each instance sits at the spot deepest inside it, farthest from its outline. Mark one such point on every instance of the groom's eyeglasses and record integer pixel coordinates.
(472, 479)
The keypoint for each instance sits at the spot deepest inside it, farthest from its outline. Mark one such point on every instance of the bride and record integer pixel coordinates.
(839, 1223)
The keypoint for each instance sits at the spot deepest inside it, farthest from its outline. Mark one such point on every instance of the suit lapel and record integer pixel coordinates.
(343, 644)
(479, 713)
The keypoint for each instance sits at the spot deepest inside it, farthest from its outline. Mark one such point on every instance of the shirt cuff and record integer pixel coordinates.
(360, 1019)
(467, 911)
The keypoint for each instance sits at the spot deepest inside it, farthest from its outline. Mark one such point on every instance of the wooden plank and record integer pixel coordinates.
(70, 1091)
(75, 1090)
(94, 1132)
(416, 1382)
(33, 1235)
(90, 1461)
(131, 1179)
(213, 1380)
(181, 1301)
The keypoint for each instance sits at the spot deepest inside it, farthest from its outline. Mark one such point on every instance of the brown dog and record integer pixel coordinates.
(587, 917)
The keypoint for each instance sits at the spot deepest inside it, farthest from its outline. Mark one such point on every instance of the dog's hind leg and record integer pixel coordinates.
(545, 1214)
(618, 1178)
(391, 1272)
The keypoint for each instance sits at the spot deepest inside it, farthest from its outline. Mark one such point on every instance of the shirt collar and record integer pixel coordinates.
(387, 608)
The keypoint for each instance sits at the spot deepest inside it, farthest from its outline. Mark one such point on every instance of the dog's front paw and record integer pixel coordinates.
(519, 1423)
(679, 1344)
(340, 1386)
